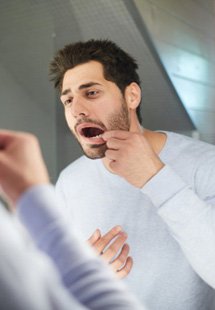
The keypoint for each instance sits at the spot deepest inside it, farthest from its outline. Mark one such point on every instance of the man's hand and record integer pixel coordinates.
(21, 163)
(130, 156)
(113, 250)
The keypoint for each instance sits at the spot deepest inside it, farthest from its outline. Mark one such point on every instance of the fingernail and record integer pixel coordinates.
(97, 232)
(118, 228)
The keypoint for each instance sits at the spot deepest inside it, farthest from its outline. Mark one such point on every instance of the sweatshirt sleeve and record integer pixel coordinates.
(84, 275)
(190, 220)
(28, 279)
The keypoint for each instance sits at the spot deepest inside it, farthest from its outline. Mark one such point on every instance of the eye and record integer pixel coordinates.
(92, 93)
(67, 102)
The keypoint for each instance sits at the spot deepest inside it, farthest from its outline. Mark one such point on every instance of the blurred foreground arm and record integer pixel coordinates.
(28, 279)
(22, 172)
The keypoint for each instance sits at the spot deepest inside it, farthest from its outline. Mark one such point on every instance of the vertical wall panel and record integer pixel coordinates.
(183, 33)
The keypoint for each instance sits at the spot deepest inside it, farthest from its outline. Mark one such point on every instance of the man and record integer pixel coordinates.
(153, 184)
(75, 279)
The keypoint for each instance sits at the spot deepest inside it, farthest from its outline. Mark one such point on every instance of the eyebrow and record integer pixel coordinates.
(83, 86)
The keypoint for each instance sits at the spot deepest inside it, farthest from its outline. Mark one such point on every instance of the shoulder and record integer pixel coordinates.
(179, 145)
(194, 161)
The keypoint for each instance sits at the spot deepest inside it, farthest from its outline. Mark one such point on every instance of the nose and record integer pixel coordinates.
(79, 107)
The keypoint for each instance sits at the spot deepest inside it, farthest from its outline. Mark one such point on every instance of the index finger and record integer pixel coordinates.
(105, 240)
(118, 134)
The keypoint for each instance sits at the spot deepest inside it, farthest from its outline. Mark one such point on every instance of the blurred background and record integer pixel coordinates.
(173, 42)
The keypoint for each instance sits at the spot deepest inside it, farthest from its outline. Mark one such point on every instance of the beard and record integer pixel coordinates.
(116, 121)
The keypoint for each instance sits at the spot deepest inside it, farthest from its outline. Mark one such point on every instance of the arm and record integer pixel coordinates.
(28, 280)
(191, 220)
(22, 172)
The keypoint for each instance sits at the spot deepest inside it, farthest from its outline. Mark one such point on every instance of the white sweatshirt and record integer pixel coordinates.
(169, 222)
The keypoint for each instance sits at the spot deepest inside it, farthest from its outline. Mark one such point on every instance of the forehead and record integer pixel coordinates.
(83, 73)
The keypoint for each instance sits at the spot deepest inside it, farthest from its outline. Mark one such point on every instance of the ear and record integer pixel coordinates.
(133, 95)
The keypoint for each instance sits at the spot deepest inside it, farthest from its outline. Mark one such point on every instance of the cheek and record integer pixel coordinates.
(67, 115)
(70, 120)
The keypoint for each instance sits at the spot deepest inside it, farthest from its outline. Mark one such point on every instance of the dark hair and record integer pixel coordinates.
(119, 67)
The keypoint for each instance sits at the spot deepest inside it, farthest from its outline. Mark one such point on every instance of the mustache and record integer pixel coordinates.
(89, 120)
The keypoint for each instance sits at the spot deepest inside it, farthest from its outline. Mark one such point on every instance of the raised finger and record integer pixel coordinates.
(118, 134)
(120, 260)
(101, 244)
(114, 248)
(94, 237)
(122, 273)
(115, 144)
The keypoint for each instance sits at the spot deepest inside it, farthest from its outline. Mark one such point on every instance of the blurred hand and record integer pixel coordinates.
(113, 250)
(21, 163)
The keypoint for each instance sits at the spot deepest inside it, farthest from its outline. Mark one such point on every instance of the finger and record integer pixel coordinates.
(6, 137)
(112, 154)
(122, 273)
(119, 261)
(115, 163)
(114, 248)
(115, 144)
(94, 237)
(118, 134)
(101, 244)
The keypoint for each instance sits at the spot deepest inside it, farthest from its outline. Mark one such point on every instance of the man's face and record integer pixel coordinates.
(92, 106)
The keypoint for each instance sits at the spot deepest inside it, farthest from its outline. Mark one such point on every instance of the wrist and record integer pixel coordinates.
(159, 166)
(17, 192)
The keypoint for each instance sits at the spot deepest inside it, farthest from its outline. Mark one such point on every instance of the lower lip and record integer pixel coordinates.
(94, 140)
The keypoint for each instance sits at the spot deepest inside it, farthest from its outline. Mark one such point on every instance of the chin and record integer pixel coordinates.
(95, 156)
(95, 151)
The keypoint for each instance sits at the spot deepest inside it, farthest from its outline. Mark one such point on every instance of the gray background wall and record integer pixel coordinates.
(173, 42)
(183, 33)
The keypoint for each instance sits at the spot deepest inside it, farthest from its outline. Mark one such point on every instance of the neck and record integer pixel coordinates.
(135, 125)
(156, 140)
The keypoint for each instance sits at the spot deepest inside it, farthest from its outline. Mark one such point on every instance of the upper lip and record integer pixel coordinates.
(80, 127)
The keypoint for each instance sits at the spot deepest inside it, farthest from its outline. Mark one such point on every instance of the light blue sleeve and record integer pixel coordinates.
(190, 220)
(28, 279)
(84, 275)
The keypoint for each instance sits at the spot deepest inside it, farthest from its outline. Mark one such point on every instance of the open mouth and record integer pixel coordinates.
(91, 132)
